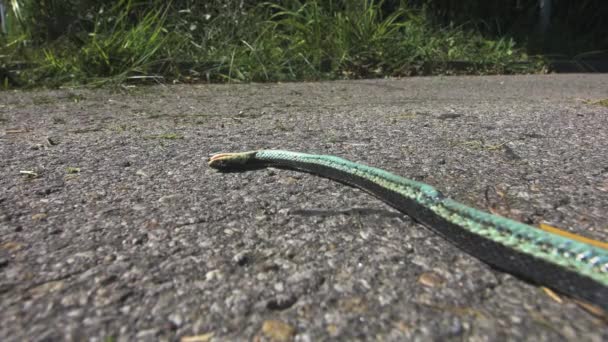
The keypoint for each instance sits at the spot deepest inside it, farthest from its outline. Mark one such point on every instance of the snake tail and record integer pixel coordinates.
(567, 263)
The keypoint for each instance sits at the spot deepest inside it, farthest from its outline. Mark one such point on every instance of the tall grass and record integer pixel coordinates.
(223, 40)
(116, 49)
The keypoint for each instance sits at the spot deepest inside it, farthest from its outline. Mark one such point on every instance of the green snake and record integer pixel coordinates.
(565, 262)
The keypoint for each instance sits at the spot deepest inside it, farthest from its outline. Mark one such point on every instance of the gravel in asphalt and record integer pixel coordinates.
(113, 228)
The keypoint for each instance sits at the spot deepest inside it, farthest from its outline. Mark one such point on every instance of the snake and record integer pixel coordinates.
(568, 263)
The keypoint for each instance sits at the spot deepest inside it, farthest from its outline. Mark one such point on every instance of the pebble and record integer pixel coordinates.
(278, 331)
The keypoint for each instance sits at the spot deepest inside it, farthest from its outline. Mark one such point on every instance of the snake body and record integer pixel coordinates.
(565, 262)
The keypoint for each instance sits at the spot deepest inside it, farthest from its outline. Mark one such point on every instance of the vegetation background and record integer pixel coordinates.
(70, 42)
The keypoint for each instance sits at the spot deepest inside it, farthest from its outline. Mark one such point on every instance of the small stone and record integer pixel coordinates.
(353, 305)
(147, 334)
(278, 330)
(39, 216)
(198, 338)
(139, 207)
(75, 313)
(109, 258)
(332, 330)
(176, 320)
(46, 288)
(281, 302)
(242, 258)
(31, 174)
(11, 246)
(213, 274)
(74, 299)
(516, 319)
(261, 218)
(168, 198)
(141, 173)
(52, 141)
(430, 279)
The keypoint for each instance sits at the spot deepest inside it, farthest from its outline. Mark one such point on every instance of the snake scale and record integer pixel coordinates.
(567, 263)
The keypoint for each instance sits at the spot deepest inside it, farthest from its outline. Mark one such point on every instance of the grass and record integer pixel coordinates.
(115, 51)
(42, 100)
(72, 170)
(132, 42)
(57, 120)
(76, 98)
(603, 102)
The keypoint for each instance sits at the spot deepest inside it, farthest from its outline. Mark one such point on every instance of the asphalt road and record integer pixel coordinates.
(113, 228)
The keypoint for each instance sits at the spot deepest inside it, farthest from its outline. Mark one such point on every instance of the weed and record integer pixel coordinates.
(42, 100)
(73, 97)
(119, 128)
(279, 126)
(57, 120)
(405, 116)
(134, 41)
(30, 174)
(87, 130)
(603, 102)
(165, 136)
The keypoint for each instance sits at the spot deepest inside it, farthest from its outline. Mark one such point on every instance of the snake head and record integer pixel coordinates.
(234, 161)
